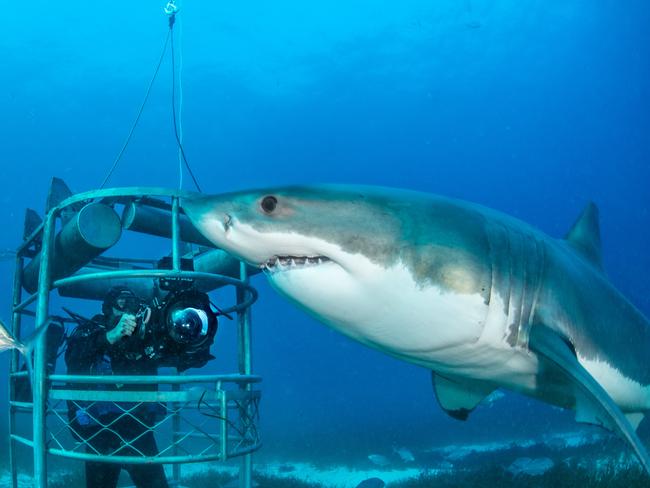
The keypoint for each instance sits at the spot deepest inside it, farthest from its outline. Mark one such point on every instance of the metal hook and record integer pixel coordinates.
(170, 8)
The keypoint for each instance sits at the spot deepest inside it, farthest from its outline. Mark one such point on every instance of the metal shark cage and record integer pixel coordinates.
(64, 253)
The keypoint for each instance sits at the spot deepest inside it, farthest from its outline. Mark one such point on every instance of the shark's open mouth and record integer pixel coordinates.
(277, 263)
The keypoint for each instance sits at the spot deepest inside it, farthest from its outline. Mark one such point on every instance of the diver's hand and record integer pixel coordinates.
(124, 328)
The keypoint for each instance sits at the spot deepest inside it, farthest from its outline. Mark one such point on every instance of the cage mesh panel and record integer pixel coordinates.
(199, 426)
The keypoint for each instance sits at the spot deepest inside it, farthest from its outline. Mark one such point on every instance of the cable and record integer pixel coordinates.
(180, 102)
(171, 10)
(137, 118)
(178, 141)
(220, 312)
(216, 416)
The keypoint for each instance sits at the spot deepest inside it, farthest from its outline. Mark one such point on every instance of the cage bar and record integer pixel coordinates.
(73, 259)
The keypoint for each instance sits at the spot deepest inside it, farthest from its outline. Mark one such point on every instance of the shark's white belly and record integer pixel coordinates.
(446, 331)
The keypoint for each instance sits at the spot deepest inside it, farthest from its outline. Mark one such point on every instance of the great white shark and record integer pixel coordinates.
(481, 299)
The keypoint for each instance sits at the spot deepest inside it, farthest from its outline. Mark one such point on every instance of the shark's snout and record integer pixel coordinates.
(220, 221)
(206, 215)
(192, 207)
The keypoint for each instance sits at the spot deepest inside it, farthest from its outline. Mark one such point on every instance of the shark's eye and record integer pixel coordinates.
(269, 203)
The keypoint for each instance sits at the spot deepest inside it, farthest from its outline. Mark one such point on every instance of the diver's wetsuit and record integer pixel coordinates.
(89, 352)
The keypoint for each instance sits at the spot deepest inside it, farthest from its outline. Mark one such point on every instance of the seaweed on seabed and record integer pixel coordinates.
(265, 481)
(207, 479)
(562, 475)
(72, 479)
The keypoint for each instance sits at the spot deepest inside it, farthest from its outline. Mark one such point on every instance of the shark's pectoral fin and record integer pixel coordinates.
(635, 418)
(593, 404)
(588, 413)
(459, 396)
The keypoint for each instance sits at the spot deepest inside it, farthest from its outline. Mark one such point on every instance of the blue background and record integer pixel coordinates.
(533, 108)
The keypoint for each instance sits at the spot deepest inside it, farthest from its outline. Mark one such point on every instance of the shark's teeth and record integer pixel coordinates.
(290, 262)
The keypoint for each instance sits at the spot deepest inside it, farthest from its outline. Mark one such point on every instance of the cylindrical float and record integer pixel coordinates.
(158, 222)
(95, 228)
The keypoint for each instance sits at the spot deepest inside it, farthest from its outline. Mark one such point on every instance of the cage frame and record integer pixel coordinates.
(42, 240)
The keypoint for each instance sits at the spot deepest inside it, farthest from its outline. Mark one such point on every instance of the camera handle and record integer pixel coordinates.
(142, 319)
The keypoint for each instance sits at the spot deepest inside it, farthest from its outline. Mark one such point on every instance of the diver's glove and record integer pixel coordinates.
(124, 328)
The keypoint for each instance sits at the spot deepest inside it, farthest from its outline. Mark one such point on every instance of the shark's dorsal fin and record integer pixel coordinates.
(458, 397)
(584, 236)
(593, 403)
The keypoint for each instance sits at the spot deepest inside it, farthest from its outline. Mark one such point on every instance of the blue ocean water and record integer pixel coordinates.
(533, 108)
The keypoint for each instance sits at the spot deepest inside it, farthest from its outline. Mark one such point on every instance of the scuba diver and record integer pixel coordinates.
(100, 347)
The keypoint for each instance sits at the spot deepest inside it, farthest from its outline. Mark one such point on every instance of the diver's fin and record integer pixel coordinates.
(584, 236)
(593, 403)
(459, 396)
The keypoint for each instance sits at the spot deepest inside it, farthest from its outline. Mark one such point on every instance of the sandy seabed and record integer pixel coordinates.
(529, 459)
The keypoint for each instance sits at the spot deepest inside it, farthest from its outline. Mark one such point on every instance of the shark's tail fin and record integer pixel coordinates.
(8, 341)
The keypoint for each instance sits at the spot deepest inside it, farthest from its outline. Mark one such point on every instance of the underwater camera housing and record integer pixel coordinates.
(176, 331)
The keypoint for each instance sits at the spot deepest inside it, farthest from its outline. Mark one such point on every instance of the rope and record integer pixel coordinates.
(180, 102)
(171, 10)
(176, 134)
(137, 118)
